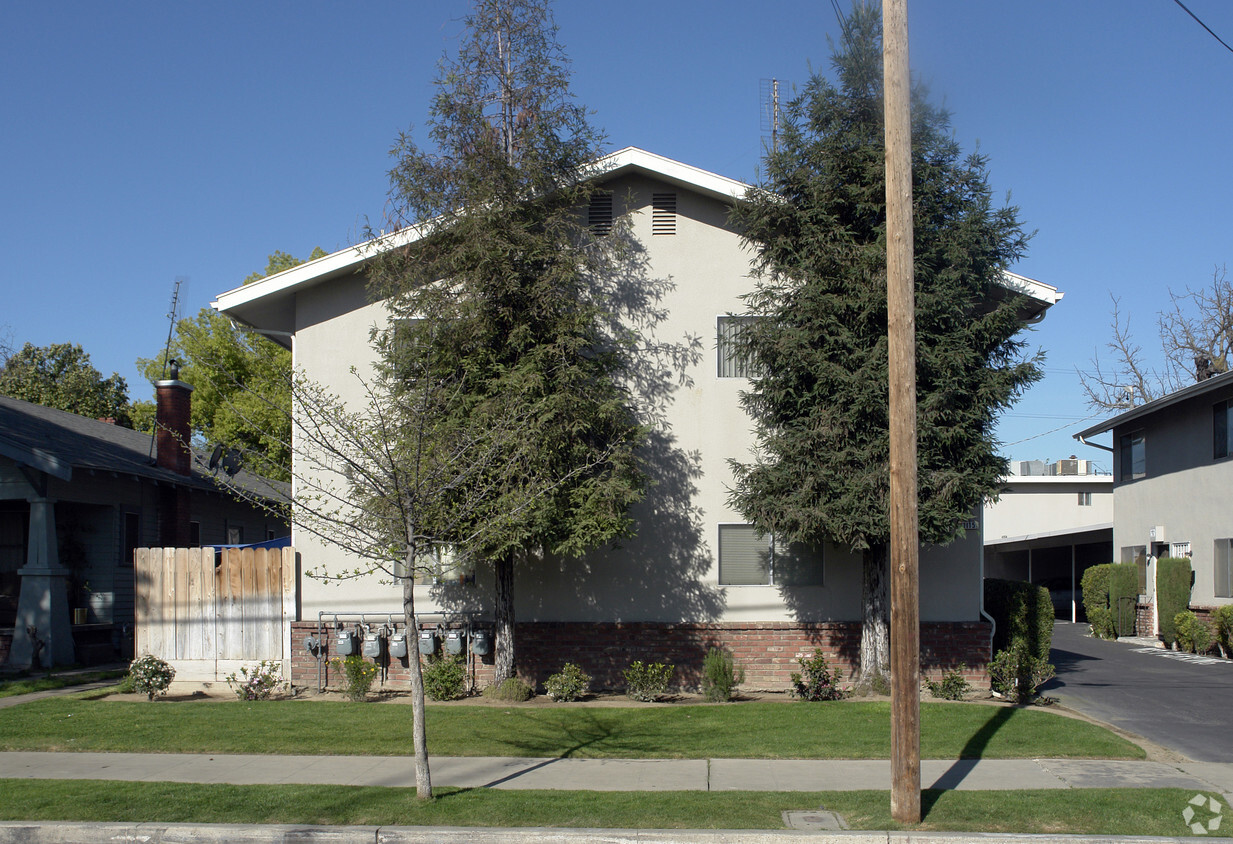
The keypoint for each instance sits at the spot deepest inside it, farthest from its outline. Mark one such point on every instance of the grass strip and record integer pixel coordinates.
(26, 685)
(1118, 812)
(849, 730)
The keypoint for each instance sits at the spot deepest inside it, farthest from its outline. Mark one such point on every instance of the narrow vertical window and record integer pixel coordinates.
(663, 213)
(1224, 568)
(732, 361)
(1220, 430)
(1085, 499)
(1133, 457)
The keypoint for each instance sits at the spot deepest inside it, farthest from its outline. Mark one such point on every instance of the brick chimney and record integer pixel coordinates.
(172, 434)
(173, 423)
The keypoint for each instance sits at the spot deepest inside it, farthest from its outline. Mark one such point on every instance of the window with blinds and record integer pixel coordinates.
(731, 360)
(749, 559)
(1224, 568)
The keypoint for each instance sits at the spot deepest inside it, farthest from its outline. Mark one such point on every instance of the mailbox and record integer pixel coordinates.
(481, 642)
(428, 642)
(455, 642)
(398, 645)
(344, 643)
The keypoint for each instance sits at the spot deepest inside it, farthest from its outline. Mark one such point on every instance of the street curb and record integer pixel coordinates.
(51, 832)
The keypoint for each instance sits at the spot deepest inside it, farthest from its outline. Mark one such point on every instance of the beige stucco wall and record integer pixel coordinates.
(668, 571)
(1048, 504)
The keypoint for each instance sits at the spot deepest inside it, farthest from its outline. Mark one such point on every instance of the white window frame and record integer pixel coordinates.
(727, 363)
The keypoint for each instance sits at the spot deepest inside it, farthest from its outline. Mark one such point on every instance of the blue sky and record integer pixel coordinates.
(148, 141)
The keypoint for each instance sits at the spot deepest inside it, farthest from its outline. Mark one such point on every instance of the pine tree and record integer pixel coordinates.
(820, 398)
(496, 314)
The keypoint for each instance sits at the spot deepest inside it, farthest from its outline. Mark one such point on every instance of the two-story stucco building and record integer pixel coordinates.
(1173, 472)
(695, 574)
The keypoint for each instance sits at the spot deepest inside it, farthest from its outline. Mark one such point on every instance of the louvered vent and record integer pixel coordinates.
(599, 214)
(663, 213)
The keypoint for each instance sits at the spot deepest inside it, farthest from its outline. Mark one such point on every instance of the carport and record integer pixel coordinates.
(1055, 560)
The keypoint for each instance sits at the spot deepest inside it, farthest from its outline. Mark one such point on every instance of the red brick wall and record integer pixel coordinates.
(766, 650)
(1143, 620)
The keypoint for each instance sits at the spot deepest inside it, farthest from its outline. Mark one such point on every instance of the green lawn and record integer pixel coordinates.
(26, 685)
(1118, 812)
(848, 730)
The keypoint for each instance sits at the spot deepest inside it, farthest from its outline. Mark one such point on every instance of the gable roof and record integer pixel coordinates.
(262, 305)
(1210, 385)
(58, 443)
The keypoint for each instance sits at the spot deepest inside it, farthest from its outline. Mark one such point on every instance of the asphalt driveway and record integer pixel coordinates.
(1176, 700)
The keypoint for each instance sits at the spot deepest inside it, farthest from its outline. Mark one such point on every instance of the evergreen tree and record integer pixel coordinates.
(494, 301)
(820, 398)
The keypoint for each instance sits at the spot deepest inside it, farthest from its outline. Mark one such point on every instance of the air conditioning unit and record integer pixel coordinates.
(1066, 467)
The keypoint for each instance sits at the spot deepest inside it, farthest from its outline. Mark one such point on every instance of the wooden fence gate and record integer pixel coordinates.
(208, 611)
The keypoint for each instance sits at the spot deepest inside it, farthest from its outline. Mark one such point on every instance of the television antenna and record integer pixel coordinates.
(768, 109)
(173, 316)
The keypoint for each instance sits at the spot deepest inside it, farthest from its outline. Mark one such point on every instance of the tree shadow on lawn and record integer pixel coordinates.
(567, 738)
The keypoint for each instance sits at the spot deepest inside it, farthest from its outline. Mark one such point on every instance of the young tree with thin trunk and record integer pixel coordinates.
(819, 398)
(501, 289)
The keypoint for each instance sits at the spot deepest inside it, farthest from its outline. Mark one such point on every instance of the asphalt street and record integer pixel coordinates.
(1176, 700)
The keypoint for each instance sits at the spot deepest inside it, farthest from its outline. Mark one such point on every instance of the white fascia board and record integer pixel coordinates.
(1051, 534)
(694, 178)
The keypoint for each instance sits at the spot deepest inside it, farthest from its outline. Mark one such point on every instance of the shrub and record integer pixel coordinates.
(1095, 586)
(1193, 634)
(510, 689)
(570, 683)
(1016, 673)
(1123, 594)
(1023, 612)
(720, 675)
(151, 675)
(647, 682)
(1172, 594)
(445, 677)
(259, 682)
(1223, 621)
(952, 686)
(358, 673)
(815, 681)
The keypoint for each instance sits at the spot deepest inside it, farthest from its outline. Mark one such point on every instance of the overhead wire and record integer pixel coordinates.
(1205, 26)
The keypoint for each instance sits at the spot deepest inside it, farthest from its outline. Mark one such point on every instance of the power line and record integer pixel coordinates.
(1205, 26)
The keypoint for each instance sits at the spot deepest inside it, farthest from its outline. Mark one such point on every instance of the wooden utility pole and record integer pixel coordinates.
(901, 329)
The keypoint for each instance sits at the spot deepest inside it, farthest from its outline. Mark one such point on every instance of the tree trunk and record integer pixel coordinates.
(419, 734)
(875, 619)
(504, 645)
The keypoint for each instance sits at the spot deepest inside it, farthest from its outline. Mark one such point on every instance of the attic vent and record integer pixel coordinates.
(599, 214)
(663, 213)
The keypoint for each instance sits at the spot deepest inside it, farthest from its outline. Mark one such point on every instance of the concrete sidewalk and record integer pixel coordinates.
(618, 774)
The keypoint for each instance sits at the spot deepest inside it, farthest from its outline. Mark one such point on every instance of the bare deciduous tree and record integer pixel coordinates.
(1196, 342)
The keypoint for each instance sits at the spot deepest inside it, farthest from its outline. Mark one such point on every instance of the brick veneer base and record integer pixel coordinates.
(767, 651)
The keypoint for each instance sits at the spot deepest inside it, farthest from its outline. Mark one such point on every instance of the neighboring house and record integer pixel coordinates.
(1050, 522)
(695, 574)
(1172, 476)
(77, 495)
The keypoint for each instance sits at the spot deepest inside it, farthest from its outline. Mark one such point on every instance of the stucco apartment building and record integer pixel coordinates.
(695, 574)
(1172, 483)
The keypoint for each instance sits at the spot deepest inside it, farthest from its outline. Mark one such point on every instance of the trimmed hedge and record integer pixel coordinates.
(1095, 586)
(1123, 583)
(1172, 594)
(1023, 613)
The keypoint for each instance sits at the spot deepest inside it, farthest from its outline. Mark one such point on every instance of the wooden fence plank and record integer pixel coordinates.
(250, 605)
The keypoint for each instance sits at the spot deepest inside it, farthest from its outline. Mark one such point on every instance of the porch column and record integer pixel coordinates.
(43, 602)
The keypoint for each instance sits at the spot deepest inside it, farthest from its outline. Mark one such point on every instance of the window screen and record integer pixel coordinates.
(1221, 419)
(1133, 456)
(731, 361)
